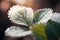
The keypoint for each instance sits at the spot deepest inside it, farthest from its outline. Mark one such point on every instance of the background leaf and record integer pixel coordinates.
(38, 31)
(53, 30)
(53, 27)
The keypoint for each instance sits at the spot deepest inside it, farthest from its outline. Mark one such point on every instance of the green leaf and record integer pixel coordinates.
(53, 27)
(42, 15)
(53, 30)
(38, 31)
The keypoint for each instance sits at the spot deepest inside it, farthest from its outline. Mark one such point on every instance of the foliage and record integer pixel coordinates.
(39, 31)
(45, 25)
(51, 29)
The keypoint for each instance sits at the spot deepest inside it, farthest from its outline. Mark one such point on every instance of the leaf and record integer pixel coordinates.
(56, 17)
(16, 31)
(22, 18)
(53, 30)
(38, 31)
(53, 27)
(42, 15)
(21, 15)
